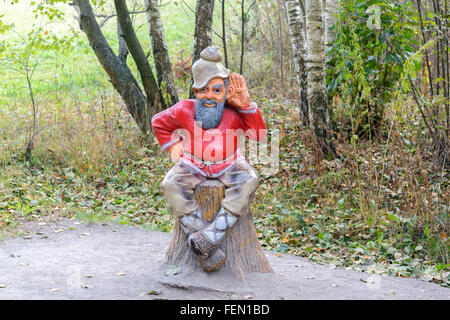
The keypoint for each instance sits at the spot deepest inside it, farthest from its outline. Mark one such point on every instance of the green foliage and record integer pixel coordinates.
(3, 27)
(366, 60)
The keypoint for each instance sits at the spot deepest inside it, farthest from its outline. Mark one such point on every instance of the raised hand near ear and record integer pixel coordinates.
(237, 95)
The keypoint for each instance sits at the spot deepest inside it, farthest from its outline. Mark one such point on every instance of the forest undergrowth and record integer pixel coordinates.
(382, 208)
(376, 211)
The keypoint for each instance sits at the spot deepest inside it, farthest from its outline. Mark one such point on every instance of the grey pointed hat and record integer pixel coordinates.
(208, 67)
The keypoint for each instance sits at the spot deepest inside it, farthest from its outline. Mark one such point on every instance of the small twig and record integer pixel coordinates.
(107, 17)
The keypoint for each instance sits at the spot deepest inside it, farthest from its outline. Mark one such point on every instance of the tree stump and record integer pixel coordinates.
(241, 246)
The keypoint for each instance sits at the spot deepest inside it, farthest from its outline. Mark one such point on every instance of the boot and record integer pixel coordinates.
(214, 262)
(192, 222)
(207, 240)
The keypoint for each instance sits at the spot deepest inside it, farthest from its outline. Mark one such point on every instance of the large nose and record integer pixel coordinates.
(209, 93)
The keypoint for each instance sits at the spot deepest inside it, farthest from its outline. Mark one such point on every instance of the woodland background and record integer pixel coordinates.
(359, 91)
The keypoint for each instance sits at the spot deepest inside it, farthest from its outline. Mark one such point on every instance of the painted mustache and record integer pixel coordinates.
(209, 113)
(208, 103)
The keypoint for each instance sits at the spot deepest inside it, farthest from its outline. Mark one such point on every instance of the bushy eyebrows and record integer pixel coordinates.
(217, 86)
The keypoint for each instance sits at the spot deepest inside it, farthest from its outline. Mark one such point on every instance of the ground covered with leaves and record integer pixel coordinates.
(375, 210)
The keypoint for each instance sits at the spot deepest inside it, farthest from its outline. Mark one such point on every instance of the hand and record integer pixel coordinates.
(176, 151)
(237, 95)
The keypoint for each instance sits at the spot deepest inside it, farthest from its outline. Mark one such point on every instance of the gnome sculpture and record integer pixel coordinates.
(202, 137)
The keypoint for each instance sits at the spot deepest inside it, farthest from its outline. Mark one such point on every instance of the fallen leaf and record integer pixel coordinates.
(85, 234)
(173, 271)
(121, 274)
(248, 297)
(54, 290)
(59, 230)
(2, 285)
(154, 292)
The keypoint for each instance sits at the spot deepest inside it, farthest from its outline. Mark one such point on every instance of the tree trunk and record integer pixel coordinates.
(241, 246)
(203, 29)
(224, 37)
(120, 75)
(123, 49)
(296, 21)
(145, 70)
(319, 117)
(160, 53)
(330, 19)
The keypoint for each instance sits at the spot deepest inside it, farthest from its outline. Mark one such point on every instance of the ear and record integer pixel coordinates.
(230, 91)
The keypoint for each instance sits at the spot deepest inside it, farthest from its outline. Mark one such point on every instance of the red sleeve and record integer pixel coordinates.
(165, 123)
(252, 121)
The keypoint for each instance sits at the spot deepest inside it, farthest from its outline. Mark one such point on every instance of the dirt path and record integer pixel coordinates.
(72, 260)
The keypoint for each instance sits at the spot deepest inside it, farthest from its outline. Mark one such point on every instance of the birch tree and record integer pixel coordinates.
(160, 53)
(134, 47)
(154, 96)
(140, 106)
(330, 19)
(319, 117)
(295, 11)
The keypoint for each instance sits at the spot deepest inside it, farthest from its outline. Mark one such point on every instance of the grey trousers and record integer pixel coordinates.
(240, 181)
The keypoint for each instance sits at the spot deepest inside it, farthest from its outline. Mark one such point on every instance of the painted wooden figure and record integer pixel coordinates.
(211, 186)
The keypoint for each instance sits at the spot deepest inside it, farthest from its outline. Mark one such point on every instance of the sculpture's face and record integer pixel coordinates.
(210, 103)
(214, 90)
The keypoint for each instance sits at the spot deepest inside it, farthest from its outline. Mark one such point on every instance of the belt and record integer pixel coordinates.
(208, 164)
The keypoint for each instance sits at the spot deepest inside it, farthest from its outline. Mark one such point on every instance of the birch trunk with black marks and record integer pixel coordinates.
(330, 19)
(203, 30)
(319, 115)
(160, 53)
(118, 72)
(151, 88)
(296, 21)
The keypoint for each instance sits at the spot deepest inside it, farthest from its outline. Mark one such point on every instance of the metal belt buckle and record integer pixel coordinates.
(208, 164)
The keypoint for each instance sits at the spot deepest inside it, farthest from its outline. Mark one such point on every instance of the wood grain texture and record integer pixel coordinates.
(243, 250)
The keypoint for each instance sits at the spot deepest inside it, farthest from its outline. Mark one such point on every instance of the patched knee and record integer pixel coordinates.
(253, 180)
(167, 184)
(251, 183)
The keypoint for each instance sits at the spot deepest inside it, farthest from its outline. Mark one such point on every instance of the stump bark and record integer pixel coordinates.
(243, 250)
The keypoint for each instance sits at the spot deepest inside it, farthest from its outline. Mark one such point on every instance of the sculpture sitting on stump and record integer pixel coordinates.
(211, 185)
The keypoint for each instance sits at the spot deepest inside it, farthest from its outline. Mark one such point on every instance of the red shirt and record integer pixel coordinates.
(211, 151)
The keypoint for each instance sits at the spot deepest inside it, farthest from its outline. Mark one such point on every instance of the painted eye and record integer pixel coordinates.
(217, 90)
(203, 90)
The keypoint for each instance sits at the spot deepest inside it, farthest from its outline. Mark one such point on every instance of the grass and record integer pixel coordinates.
(77, 73)
(90, 162)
